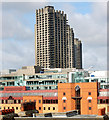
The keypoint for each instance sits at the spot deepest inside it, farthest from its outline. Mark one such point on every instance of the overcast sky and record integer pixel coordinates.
(88, 20)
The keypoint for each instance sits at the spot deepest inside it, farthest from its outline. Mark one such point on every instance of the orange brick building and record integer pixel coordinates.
(69, 96)
(37, 99)
(80, 96)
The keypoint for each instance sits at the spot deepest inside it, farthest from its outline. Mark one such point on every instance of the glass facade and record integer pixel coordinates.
(82, 77)
(35, 82)
(78, 77)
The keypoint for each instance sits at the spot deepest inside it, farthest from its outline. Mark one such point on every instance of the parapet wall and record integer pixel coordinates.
(30, 118)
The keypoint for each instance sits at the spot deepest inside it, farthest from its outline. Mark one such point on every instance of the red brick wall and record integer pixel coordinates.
(15, 88)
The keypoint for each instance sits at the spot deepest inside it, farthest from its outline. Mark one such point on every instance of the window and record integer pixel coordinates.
(12, 107)
(89, 101)
(39, 101)
(44, 101)
(4, 107)
(64, 101)
(103, 100)
(64, 108)
(44, 108)
(16, 108)
(89, 108)
(8, 107)
(48, 108)
(53, 108)
(107, 101)
(56, 101)
(63, 93)
(18, 101)
(39, 108)
(89, 93)
(14, 101)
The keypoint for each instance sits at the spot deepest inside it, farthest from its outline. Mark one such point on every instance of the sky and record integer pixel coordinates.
(88, 20)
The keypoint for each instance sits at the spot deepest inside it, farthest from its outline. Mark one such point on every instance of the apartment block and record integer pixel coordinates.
(54, 39)
(78, 53)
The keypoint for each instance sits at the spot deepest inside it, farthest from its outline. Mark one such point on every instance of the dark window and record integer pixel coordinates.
(12, 107)
(54, 101)
(39, 101)
(89, 93)
(39, 108)
(63, 93)
(51, 101)
(104, 101)
(89, 108)
(48, 108)
(8, 107)
(107, 101)
(44, 108)
(64, 108)
(18, 101)
(64, 101)
(44, 101)
(16, 108)
(14, 101)
(47, 101)
(53, 108)
(89, 101)
(101, 101)
(4, 107)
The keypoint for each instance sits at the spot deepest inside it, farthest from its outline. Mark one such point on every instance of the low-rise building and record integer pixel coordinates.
(103, 100)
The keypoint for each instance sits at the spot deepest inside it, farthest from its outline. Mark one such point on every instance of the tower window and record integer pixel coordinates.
(39, 101)
(63, 93)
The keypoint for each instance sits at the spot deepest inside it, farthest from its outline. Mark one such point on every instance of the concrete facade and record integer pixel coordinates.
(78, 53)
(54, 39)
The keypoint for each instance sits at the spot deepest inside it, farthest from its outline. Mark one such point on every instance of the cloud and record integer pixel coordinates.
(16, 21)
(16, 55)
(14, 29)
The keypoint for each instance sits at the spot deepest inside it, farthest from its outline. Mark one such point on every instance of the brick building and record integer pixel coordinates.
(69, 96)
